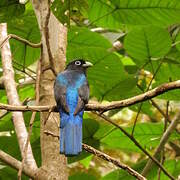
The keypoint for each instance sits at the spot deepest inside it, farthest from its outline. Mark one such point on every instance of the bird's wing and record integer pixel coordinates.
(60, 96)
(83, 92)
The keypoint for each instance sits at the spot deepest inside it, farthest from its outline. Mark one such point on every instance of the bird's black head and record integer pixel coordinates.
(78, 64)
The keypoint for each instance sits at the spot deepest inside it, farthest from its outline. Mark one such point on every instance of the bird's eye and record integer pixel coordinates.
(78, 63)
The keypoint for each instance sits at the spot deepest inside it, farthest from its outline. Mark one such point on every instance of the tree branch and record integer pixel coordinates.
(12, 96)
(163, 141)
(104, 107)
(136, 99)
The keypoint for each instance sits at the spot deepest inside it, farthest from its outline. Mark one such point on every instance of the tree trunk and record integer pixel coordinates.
(53, 57)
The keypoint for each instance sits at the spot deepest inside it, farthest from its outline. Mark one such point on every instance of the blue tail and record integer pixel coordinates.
(70, 133)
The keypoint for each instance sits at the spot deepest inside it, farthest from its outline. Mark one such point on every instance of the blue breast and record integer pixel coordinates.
(72, 81)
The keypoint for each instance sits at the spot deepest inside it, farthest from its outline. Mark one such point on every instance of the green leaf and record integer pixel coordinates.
(148, 134)
(26, 27)
(148, 42)
(10, 9)
(9, 173)
(6, 123)
(118, 175)
(9, 142)
(82, 176)
(83, 37)
(146, 108)
(67, 9)
(61, 10)
(3, 98)
(167, 72)
(173, 57)
(9, 145)
(26, 92)
(86, 161)
(107, 76)
(178, 42)
(122, 174)
(115, 13)
(172, 166)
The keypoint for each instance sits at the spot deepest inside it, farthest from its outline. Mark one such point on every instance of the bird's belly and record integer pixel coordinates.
(72, 99)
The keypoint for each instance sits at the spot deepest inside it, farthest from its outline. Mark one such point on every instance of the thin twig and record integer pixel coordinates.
(46, 31)
(48, 115)
(149, 85)
(136, 143)
(139, 110)
(19, 64)
(159, 109)
(156, 105)
(163, 150)
(4, 114)
(23, 71)
(34, 45)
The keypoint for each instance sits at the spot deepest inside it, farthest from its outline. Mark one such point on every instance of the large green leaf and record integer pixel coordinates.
(83, 37)
(10, 9)
(148, 134)
(26, 27)
(107, 76)
(114, 13)
(148, 42)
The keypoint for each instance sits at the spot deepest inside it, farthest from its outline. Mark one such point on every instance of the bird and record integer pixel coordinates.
(71, 91)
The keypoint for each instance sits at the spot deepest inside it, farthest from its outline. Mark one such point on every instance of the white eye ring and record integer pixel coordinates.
(78, 63)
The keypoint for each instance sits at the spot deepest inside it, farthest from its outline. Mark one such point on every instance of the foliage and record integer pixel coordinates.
(149, 33)
(10, 9)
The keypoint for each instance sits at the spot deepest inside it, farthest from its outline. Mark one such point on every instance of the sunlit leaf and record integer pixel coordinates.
(114, 14)
(145, 43)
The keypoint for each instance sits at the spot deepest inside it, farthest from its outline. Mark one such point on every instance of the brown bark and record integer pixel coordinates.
(54, 38)
(13, 98)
